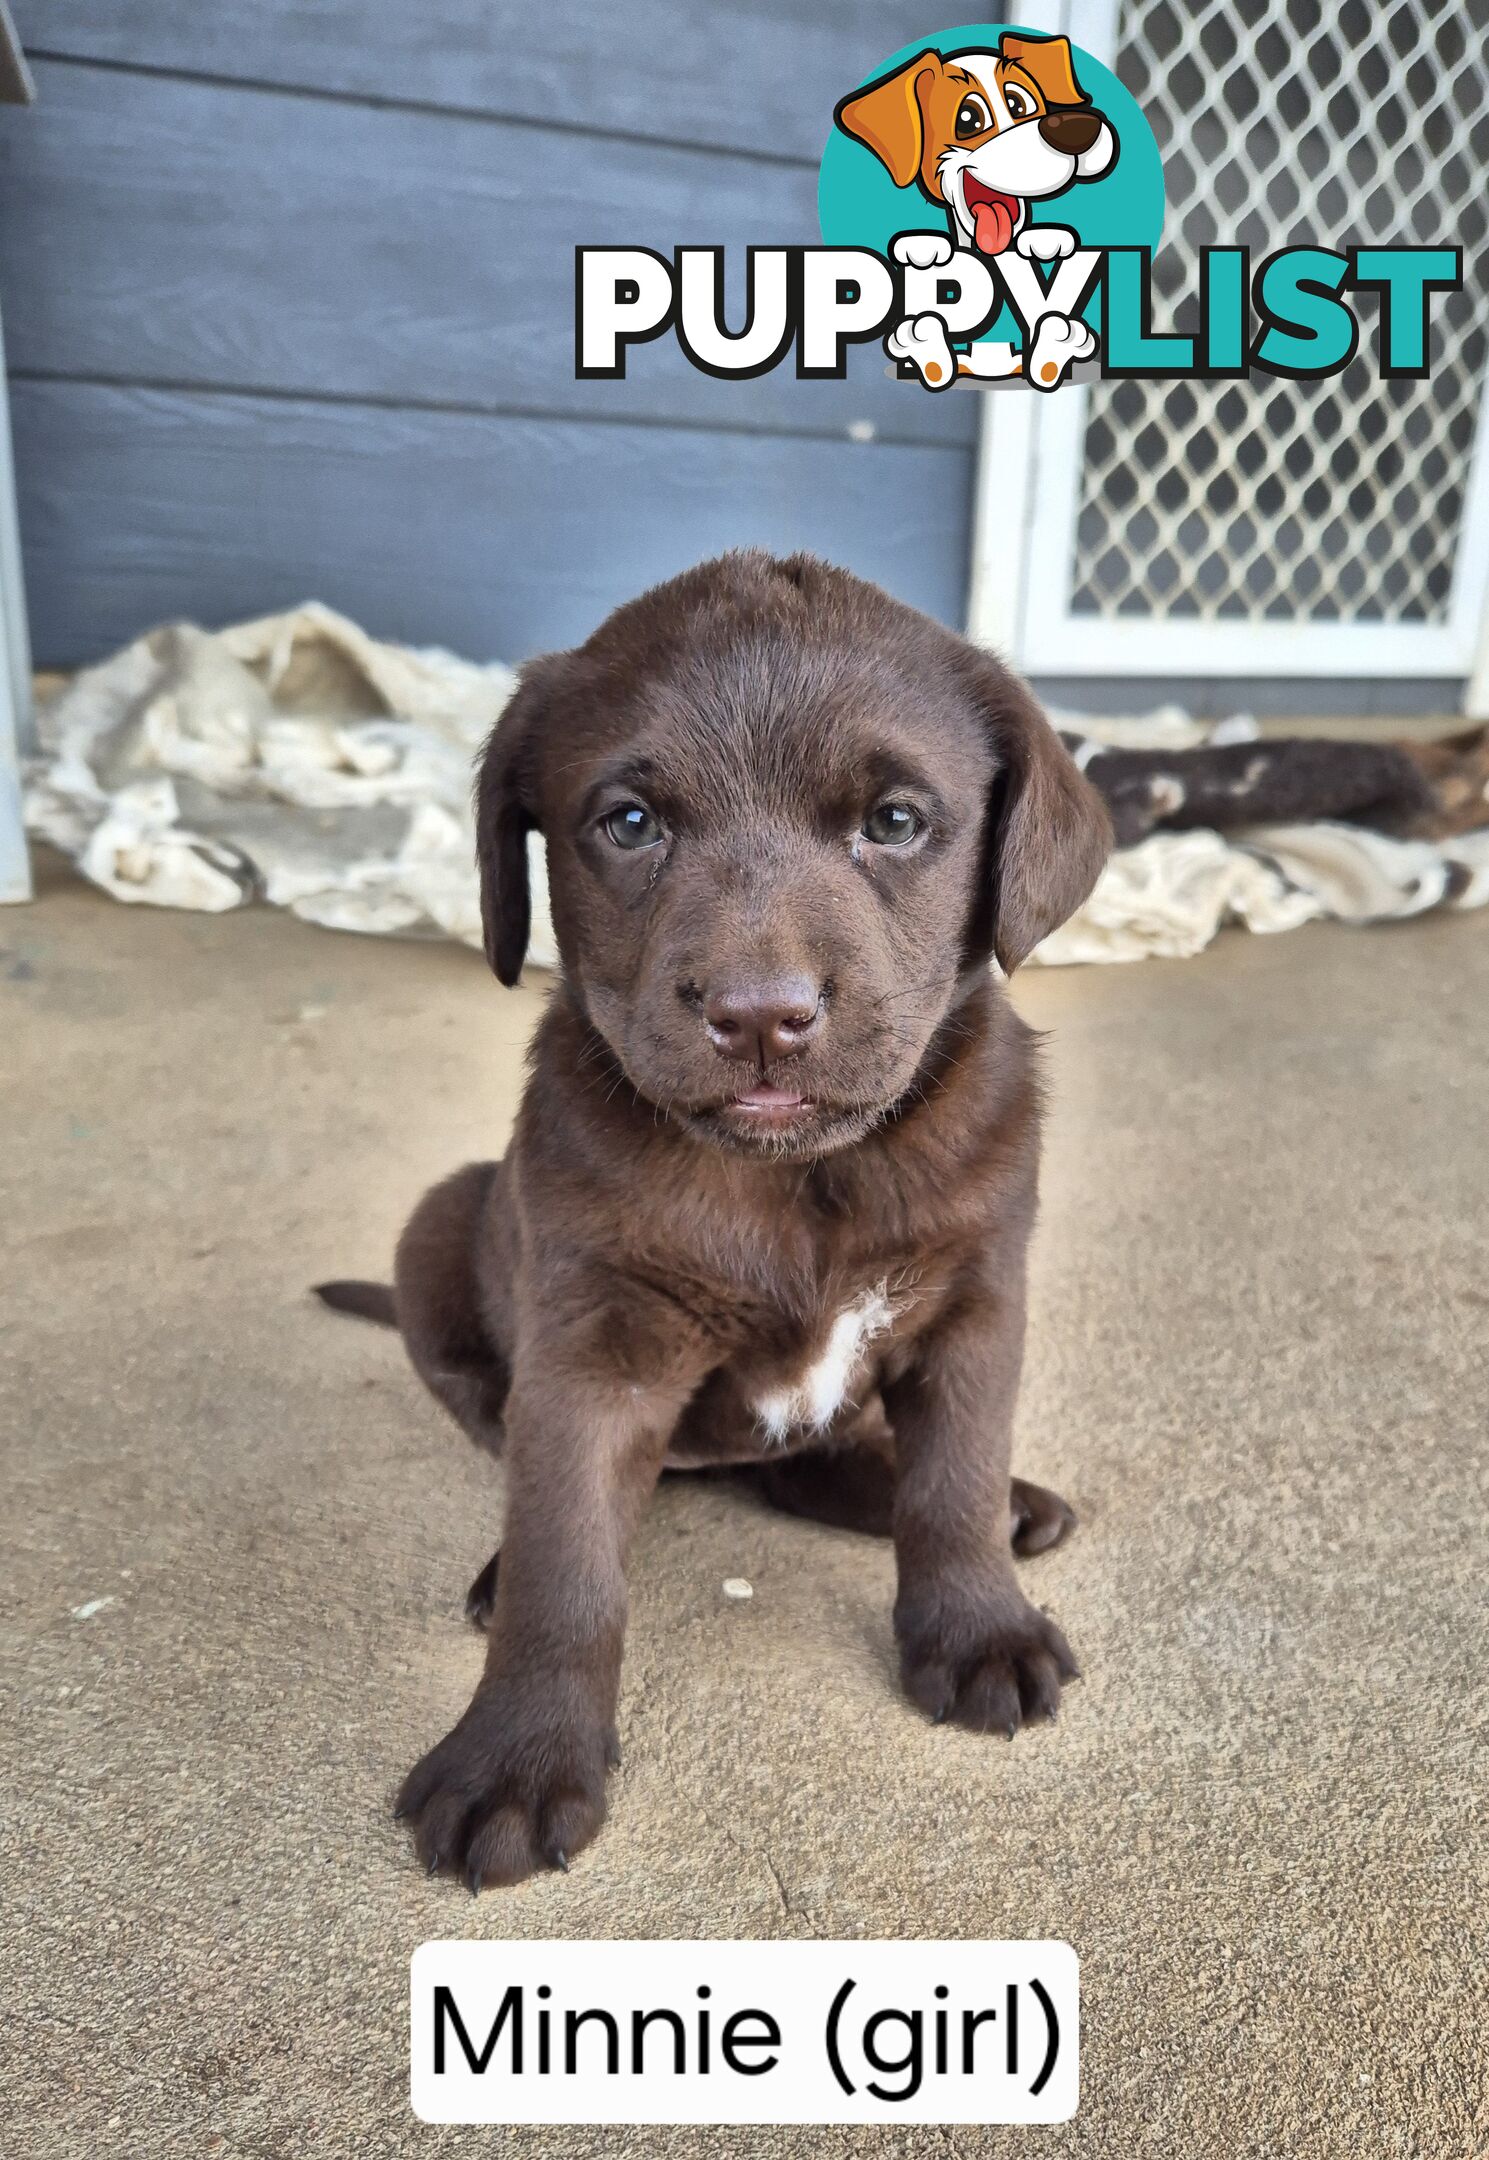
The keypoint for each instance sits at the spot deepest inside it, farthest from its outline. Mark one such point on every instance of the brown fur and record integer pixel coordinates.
(653, 1256)
(1455, 773)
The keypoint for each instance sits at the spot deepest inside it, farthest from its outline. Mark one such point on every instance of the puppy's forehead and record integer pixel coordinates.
(787, 718)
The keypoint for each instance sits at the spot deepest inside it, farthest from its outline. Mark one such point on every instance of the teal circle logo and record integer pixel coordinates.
(1008, 143)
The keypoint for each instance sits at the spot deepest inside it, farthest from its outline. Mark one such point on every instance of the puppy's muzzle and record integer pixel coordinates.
(1072, 132)
(763, 1022)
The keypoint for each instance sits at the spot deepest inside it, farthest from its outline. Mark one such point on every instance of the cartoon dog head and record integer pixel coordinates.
(984, 133)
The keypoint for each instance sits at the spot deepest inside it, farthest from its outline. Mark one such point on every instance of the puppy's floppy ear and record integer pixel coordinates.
(1048, 831)
(889, 117)
(506, 812)
(1051, 63)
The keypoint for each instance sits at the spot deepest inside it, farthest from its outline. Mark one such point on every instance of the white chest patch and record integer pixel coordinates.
(816, 1397)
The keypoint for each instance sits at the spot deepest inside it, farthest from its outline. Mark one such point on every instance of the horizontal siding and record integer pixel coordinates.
(757, 75)
(289, 297)
(496, 536)
(166, 231)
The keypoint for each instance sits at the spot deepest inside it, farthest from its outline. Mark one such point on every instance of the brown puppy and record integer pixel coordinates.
(774, 1172)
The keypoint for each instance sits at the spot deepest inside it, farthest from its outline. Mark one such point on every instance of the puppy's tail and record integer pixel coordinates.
(364, 1300)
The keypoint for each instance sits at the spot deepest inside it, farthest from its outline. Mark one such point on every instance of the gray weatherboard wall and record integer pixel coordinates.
(288, 293)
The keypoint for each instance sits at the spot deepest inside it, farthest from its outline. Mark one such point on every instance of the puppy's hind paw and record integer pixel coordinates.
(922, 341)
(480, 1599)
(1059, 342)
(1038, 1518)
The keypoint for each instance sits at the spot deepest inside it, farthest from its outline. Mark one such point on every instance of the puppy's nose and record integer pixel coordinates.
(764, 1021)
(1071, 132)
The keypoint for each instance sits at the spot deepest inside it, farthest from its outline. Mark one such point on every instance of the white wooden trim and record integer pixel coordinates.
(1003, 519)
(15, 671)
(1476, 688)
(1092, 24)
(1469, 608)
(1003, 492)
(1059, 440)
(1134, 645)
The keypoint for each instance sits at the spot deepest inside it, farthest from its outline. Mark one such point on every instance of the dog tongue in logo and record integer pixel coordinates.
(992, 217)
(992, 224)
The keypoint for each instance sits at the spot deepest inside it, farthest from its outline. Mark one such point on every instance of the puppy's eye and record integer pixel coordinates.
(631, 825)
(1020, 104)
(973, 116)
(893, 824)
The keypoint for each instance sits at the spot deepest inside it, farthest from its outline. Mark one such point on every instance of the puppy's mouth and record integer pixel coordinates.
(766, 1108)
(993, 214)
(778, 1121)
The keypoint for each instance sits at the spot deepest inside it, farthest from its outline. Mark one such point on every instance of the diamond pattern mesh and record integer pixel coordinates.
(1282, 122)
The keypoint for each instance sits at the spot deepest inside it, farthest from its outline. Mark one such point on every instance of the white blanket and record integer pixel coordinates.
(297, 760)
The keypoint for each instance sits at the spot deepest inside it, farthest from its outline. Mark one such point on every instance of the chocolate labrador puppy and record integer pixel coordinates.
(773, 1175)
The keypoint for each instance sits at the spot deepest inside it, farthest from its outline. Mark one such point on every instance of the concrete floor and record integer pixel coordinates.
(1257, 1369)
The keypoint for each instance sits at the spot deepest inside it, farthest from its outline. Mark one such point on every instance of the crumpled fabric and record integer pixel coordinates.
(293, 759)
(297, 760)
(1172, 893)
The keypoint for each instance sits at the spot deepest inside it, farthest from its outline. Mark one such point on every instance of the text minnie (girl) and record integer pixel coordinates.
(789, 2032)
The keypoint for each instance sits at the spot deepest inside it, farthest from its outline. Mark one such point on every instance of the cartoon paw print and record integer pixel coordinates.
(922, 340)
(1058, 343)
(921, 250)
(1045, 243)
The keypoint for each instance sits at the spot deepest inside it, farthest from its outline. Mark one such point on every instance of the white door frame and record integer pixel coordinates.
(1005, 491)
(1025, 504)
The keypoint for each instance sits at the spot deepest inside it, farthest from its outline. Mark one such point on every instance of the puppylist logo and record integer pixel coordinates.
(989, 201)
(1031, 176)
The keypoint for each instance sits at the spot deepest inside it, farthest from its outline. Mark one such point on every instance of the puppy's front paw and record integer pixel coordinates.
(921, 250)
(1045, 243)
(991, 1671)
(509, 1791)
